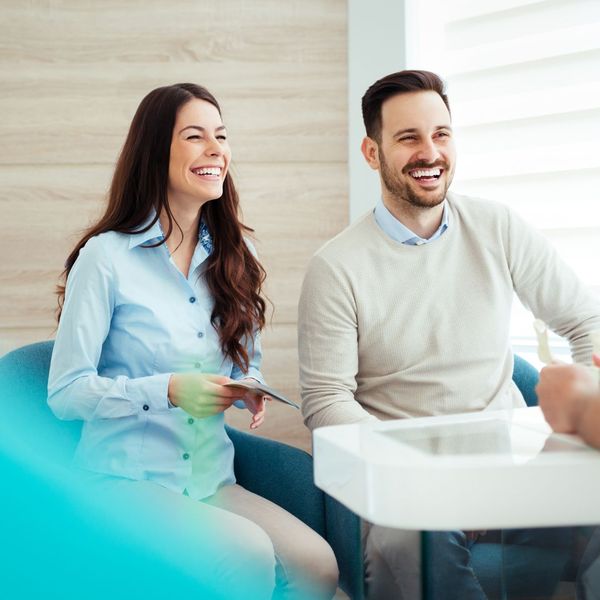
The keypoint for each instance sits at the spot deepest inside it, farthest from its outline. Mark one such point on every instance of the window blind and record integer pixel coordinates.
(523, 80)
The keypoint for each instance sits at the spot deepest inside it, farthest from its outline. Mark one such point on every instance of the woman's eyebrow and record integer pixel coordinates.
(201, 129)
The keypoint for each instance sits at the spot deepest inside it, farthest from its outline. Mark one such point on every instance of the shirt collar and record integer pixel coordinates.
(402, 234)
(155, 234)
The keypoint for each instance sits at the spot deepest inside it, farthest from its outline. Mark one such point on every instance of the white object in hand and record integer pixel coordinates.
(541, 330)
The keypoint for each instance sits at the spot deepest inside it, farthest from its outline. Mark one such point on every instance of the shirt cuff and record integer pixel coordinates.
(252, 373)
(150, 393)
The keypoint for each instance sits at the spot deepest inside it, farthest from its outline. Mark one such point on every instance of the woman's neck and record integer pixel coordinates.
(183, 239)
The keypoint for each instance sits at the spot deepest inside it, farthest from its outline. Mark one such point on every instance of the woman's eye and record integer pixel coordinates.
(222, 137)
(193, 137)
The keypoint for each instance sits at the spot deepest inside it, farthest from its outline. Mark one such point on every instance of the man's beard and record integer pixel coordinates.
(403, 191)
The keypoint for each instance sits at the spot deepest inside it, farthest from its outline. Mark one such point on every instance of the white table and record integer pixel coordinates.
(486, 470)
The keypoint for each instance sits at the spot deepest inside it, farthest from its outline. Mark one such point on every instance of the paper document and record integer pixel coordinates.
(261, 388)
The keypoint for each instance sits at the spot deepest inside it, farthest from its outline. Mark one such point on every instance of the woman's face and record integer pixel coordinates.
(199, 156)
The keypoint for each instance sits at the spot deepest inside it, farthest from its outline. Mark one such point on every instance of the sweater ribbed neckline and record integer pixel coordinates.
(427, 247)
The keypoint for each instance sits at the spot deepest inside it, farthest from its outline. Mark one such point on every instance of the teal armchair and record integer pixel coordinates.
(42, 560)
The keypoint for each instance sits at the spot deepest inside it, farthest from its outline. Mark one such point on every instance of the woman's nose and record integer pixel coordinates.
(213, 148)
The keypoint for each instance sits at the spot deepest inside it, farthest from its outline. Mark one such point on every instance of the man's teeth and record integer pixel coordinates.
(207, 171)
(425, 173)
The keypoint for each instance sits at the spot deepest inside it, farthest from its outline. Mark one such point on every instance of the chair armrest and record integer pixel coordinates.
(281, 473)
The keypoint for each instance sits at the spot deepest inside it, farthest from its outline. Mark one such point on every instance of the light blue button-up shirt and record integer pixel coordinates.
(131, 319)
(400, 233)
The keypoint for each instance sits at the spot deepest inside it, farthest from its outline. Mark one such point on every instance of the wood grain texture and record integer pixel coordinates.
(11, 338)
(73, 74)
(75, 114)
(134, 31)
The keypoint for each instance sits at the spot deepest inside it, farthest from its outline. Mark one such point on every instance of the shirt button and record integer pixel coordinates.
(192, 299)
(146, 407)
(191, 421)
(185, 456)
(200, 334)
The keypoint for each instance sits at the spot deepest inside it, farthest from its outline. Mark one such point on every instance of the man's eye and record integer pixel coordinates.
(443, 134)
(408, 138)
(222, 137)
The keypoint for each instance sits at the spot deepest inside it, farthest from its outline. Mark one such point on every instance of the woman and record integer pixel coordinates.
(160, 309)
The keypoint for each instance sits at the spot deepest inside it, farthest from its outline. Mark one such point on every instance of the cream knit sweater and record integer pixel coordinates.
(395, 331)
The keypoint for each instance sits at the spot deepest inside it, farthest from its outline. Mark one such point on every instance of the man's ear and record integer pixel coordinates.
(370, 151)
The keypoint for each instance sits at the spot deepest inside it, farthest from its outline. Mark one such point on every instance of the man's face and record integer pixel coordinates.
(416, 155)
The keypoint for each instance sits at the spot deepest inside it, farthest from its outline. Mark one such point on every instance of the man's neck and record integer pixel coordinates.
(423, 221)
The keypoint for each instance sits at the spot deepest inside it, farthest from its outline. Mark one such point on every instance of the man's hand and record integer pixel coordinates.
(564, 392)
(201, 395)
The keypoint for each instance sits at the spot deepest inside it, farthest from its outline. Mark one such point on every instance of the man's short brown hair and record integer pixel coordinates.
(397, 83)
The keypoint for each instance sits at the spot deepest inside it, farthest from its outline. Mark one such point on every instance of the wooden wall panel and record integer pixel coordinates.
(79, 114)
(73, 73)
(232, 32)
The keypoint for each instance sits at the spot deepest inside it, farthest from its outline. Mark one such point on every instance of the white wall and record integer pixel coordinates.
(376, 47)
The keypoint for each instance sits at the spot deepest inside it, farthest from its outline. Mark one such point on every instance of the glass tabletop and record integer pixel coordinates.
(488, 437)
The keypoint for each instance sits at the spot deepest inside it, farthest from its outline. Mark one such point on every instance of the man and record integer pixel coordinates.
(406, 312)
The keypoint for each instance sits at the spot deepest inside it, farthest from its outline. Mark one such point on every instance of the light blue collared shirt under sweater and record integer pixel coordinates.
(400, 233)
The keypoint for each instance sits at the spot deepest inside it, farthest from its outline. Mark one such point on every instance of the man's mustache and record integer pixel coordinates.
(421, 164)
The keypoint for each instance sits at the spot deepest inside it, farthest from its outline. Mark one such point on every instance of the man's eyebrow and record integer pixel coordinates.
(201, 129)
(415, 130)
(403, 131)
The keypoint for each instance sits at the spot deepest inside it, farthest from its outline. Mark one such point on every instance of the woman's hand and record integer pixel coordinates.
(201, 395)
(255, 403)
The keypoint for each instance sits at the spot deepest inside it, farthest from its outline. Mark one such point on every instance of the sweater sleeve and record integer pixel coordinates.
(328, 348)
(548, 287)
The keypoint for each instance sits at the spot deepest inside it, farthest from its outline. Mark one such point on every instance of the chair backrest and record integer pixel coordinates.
(526, 376)
(23, 402)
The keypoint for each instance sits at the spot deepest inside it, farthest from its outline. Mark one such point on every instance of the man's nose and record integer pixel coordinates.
(428, 152)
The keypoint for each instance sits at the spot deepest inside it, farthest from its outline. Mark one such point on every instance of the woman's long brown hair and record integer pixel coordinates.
(233, 275)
